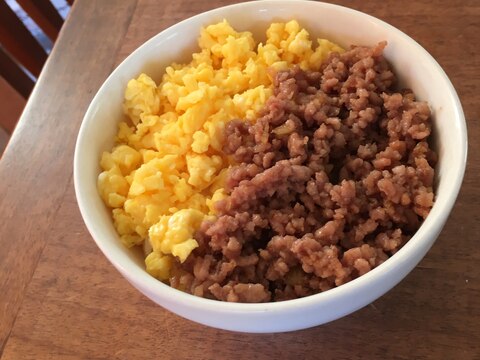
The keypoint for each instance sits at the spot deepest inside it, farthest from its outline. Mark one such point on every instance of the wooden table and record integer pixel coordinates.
(61, 299)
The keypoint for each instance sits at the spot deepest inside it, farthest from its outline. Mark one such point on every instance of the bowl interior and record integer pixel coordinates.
(415, 68)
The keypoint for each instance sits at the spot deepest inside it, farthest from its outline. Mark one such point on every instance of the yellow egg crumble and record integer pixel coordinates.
(167, 170)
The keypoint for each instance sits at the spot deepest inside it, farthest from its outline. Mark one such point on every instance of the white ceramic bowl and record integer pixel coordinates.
(415, 68)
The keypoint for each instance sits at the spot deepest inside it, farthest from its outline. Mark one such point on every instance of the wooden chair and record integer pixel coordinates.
(21, 56)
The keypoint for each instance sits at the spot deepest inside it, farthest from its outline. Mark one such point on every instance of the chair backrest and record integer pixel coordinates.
(21, 55)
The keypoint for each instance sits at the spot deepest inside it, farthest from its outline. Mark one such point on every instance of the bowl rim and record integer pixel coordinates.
(145, 281)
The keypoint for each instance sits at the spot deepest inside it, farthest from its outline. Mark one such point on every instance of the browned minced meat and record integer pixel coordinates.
(333, 178)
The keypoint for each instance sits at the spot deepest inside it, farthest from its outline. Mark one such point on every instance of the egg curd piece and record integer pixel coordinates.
(174, 234)
(159, 265)
(141, 98)
(218, 195)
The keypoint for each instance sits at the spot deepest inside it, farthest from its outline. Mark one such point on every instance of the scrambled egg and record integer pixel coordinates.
(167, 171)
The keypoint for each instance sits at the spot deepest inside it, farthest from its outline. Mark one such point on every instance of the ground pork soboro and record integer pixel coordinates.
(332, 179)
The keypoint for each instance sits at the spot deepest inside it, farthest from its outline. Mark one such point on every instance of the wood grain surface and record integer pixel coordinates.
(61, 299)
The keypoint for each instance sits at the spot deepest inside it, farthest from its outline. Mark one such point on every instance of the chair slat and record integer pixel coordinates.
(15, 75)
(45, 15)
